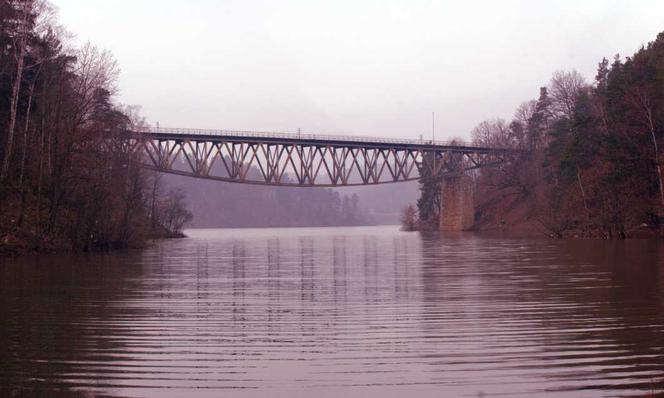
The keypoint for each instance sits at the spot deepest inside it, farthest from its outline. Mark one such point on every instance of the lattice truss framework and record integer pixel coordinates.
(304, 164)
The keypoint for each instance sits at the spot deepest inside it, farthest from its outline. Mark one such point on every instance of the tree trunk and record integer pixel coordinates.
(12, 116)
(16, 88)
(583, 192)
(156, 182)
(39, 179)
(23, 155)
(25, 134)
(657, 165)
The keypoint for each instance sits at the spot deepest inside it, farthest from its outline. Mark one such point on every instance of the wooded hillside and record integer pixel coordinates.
(62, 186)
(592, 154)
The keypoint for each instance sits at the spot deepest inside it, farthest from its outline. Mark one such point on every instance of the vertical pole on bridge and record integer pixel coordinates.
(433, 138)
(433, 127)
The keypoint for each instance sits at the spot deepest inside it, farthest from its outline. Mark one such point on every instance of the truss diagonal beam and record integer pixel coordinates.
(302, 162)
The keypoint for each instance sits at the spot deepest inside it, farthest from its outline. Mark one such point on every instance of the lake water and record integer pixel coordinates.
(337, 312)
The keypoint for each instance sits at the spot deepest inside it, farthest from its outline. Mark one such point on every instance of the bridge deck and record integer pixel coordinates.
(201, 135)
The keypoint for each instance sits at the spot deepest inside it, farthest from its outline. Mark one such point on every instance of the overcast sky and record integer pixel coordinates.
(359, 67)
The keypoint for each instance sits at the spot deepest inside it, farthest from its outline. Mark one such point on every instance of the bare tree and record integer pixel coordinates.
(564, 90)
(26, 9)
(175, 211)
(409, 218)
(641, 100)
(154, 196)
(492, 133)
(95, 70)
(524, 112)
(135, 116)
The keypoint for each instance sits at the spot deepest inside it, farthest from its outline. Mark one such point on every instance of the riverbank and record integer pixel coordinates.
(537, 228)
(23, 243)
(518, 223)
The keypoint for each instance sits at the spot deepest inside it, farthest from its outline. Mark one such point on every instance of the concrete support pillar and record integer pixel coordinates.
(457, 211)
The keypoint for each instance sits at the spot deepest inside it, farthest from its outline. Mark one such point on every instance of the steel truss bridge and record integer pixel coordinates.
(304, 160)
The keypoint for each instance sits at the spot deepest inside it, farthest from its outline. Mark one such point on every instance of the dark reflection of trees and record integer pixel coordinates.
(53, 311)
(403, 258)
(202, 281)
(444, 259)
(632, 294)
(585, 291)
(370, 253)
(239, 308)
(273, 286)
(307, 269)
(340, 269)
(307, 296)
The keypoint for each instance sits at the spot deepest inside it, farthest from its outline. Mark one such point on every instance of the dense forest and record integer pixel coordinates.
(590, 164)
(62, 185)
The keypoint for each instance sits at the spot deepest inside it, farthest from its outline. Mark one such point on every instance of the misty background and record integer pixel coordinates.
(351, 67)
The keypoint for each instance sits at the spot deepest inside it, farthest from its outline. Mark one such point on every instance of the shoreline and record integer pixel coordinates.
(14, 246)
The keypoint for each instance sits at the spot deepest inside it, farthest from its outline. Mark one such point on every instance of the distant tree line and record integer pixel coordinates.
(216, 204)
(62, 182)
(592, 157)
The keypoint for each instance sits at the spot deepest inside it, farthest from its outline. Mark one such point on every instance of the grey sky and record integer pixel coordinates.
(361, 67)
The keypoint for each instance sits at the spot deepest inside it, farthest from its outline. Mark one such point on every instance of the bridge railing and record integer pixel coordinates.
(297, 136)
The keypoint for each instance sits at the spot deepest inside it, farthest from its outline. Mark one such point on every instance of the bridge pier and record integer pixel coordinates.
(457, 203)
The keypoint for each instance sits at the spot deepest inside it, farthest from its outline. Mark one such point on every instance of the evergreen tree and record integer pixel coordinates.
(428, 205)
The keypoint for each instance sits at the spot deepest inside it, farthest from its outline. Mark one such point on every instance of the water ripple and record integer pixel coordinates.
(339, 311)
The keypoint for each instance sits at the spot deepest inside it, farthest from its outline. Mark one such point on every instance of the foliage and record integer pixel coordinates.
(62, 183)
(409, 218)
(593, 165)
(428, 205)
(174, 213)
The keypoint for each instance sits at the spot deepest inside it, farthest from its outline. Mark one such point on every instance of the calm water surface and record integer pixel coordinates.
(337, 312)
